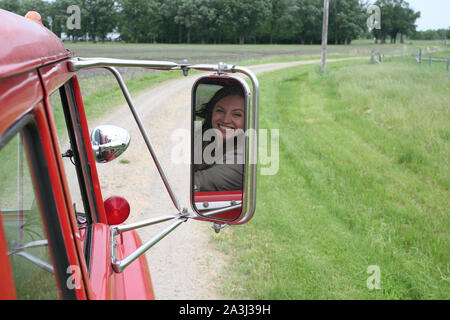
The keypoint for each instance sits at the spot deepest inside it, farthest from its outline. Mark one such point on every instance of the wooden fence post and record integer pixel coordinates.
(420, 55)
(448, 64)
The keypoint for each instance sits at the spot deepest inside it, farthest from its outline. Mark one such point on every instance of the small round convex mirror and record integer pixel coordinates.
(109, 142)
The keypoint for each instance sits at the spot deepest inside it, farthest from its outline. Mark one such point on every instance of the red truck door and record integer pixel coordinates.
(36, 241)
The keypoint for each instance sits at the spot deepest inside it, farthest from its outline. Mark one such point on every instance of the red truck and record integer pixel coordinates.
(59, 239)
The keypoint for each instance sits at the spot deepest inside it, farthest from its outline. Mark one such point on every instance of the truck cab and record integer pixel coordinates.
(54, 233)
(59, 238)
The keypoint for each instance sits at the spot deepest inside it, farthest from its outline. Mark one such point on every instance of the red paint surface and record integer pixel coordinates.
(18, 95)
(26, 44)
(7, 289)
(134, 283)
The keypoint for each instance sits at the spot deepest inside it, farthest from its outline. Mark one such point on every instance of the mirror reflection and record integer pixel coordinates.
(109, 142)
(219, 124)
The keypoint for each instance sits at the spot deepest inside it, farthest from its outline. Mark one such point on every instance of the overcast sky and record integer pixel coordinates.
(434, 14)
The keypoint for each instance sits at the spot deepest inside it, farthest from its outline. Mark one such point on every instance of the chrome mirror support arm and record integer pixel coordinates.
(77, 64)
(119, 266)
(85, 63)
(146, 137)
(144, 223)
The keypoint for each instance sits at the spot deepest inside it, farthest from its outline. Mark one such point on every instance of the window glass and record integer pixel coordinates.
(68, 149)
(22, 220)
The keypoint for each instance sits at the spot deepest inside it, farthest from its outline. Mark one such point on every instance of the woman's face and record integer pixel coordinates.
(228, 116)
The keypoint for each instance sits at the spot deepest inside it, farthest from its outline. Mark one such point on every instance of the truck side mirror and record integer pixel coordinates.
(109, 142)
(220, 148)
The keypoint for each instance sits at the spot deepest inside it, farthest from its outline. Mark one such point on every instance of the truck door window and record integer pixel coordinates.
(70, 157)
(21, 215)
(76, 164)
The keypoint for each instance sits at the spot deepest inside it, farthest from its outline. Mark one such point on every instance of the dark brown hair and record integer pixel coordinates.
(206, 112)
(206, 109)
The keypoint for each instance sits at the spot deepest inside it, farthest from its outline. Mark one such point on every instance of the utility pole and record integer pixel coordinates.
(324, 34)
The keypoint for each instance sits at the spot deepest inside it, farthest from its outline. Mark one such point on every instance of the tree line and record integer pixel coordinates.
(439, 34)
(221, 21)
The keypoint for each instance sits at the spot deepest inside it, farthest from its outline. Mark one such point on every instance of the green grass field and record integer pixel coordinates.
(196, 53)
(363, 181)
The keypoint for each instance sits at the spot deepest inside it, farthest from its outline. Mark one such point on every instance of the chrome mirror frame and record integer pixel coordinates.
(249, 205)
(182, 215)
(248, 187)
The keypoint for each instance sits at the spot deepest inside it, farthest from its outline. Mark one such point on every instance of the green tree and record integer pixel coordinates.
(11, 5)
(100, 19)
(210, 19)
(54, 14)
(21, 7)
(302, 22)
(245, 17)
(347, 21)
(136, 16)
(277, 11)
(406, 23)
(396, 17)
(59, 15)
(75, 33)
(170, 29)
(188, 16)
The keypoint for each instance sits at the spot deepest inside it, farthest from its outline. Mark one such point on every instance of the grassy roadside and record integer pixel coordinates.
(363, 180)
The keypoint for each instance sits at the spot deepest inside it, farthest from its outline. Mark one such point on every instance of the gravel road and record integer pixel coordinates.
(184, 265)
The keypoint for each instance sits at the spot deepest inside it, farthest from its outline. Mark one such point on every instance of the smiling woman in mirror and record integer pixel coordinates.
(219, 139)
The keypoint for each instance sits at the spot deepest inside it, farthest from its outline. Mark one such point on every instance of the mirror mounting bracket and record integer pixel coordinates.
(218, 226)
(221, 67)
(185, 67)
(119, 265)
